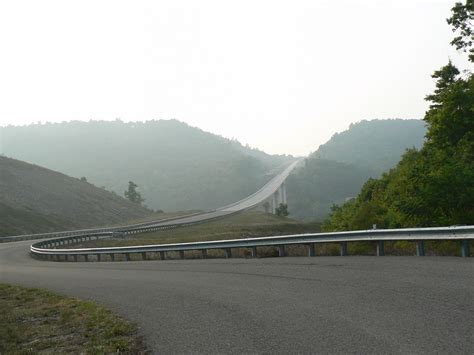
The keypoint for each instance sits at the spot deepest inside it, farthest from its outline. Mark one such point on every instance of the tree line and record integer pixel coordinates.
(432, 186)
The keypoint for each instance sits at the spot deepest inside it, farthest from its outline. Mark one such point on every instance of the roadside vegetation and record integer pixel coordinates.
(432, 186)
(341, 166)
(34, 321)
(248, 224)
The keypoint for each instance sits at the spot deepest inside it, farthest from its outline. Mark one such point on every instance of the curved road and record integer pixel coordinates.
(277, 305)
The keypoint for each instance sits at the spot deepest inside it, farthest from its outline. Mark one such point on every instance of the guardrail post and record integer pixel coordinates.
(343, 248)
(86, 257)
(281, 250)
(75, 257)
(127, 256)
(181, 254)
(162, 255)
(204, 253)
(380, 248)
(420, 248)
(112, 257)
(99, 257)
(228, 253)
(465, 250)
(254, 252)
(144, 256)
(311, 250)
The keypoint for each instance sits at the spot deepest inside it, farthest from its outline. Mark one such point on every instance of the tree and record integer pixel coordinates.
(132, 193)
(461, 21)
(282, 210)
(435, 185)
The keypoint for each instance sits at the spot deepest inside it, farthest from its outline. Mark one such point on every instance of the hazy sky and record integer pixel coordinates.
(282, 76)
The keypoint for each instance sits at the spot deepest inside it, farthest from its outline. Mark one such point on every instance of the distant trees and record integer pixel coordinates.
(433, 186)
(132, 194)
(282, 210)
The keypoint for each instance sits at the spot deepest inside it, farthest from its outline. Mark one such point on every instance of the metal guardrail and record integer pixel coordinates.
(144, 226)
(46, 249)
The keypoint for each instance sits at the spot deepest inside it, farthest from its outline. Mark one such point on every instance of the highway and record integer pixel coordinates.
(246, 203)
(276, 305)
(264, 193)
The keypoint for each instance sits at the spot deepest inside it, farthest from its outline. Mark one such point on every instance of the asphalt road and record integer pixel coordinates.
(264, 193)
(274, 305)
(261, 195)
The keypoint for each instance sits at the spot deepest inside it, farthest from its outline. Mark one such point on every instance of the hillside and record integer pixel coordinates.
(375, 145)
(339, 168)
(177, 167)
(34, 200)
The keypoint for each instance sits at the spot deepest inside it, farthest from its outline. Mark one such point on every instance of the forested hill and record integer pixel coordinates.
(176, 167)
(339, 168)
(375, 145)
(34, 200)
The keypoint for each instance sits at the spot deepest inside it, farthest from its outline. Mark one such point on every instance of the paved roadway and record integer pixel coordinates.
(278, 305)
(264, 193)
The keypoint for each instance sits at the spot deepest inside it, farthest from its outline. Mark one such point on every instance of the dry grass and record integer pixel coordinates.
(36, 321)
(243, 225)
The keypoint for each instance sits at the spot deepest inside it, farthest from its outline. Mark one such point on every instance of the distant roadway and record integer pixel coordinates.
(276, 305)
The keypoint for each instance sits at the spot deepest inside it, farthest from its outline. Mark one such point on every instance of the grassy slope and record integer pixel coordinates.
(243, 225)
(36, 321)
(34, 200)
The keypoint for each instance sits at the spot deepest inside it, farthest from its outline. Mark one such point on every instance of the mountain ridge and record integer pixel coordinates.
(338, 169)
(176, 166)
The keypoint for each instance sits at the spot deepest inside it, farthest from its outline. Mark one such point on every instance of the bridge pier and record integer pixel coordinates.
(274, 203)
(283, 193)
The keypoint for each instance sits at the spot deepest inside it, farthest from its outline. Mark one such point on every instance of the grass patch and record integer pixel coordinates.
(37, 321)
(248, 224)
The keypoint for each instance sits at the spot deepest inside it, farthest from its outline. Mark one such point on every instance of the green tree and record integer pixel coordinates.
(282, 210)
(435, 185)
(461, 21)
(132, 194)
